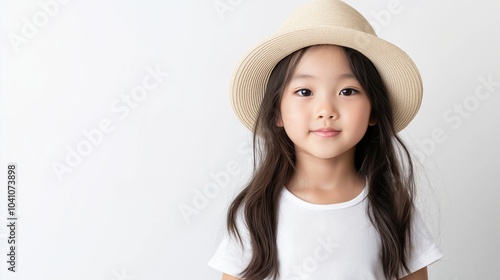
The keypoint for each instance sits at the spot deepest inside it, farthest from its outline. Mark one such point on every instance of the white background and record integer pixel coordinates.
(115, 212)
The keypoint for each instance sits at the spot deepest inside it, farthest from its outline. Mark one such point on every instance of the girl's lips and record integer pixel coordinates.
(326, 133)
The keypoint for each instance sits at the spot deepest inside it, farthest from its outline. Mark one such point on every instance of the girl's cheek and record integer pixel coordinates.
(294, 115)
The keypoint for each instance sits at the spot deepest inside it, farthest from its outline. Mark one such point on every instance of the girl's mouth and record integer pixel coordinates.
(326, 132)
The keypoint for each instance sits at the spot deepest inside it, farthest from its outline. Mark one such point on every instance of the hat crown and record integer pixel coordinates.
(326, 13)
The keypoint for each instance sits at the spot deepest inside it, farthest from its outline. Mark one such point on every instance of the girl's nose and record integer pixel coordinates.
(326, 110)
(326, 115)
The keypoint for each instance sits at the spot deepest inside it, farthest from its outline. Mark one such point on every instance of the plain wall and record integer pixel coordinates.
(117, 114)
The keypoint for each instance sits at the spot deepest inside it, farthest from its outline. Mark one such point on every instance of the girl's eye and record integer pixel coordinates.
(303, 92)
(348, 92)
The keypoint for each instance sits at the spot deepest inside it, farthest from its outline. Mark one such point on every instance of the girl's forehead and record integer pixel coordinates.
(323, 59)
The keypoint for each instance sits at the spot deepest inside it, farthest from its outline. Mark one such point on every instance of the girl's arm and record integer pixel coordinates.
(420, 274)
(229, 277)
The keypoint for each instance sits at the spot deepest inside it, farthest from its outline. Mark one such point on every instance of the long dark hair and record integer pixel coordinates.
(380, 156)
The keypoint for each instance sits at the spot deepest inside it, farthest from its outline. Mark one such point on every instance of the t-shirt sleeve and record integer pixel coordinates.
(425, 250)
(232, 257)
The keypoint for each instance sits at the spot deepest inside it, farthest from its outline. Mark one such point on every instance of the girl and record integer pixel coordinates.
(332, 192)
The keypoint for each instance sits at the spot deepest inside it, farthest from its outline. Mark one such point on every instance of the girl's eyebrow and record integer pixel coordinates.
(301, 76)
(307, 76)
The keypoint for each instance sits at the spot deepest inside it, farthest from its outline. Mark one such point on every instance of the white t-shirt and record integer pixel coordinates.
(325, 241)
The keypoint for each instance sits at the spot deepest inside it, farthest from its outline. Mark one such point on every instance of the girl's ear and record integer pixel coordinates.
(279, 121)
(373, 120)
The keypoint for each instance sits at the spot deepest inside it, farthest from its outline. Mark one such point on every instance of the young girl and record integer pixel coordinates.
(332, 192)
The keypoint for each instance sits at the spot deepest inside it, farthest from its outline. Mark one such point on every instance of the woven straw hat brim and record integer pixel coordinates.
(396, 68)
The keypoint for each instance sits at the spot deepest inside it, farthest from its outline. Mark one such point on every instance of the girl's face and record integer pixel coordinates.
(324, 109)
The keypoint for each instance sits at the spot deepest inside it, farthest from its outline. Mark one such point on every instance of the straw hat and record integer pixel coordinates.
(326, 22)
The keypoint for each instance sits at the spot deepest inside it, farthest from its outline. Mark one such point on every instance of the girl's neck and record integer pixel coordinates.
(332, 175)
